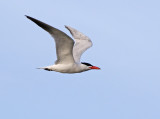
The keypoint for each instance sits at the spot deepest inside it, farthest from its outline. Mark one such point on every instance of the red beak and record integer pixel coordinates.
(94, 67)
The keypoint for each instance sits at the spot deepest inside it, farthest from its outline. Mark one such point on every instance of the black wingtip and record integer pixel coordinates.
(28, 17)
(41, 24)
(33, 19)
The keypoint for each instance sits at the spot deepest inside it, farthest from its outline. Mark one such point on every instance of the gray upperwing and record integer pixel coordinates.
(81, 45)
(64, 43)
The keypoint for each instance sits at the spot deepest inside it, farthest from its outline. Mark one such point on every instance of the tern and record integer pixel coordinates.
(68, 51)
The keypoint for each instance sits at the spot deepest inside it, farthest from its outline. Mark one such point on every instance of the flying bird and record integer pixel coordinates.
(68, 51)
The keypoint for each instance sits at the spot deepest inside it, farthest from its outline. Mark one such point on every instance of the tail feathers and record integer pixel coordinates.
(45, 68)
(41, 68)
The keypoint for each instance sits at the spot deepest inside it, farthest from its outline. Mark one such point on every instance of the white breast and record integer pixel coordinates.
(68, 68)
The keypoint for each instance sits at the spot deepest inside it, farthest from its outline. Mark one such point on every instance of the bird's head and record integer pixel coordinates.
(89, 66)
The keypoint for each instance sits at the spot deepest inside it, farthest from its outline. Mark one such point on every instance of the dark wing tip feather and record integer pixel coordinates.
(30, 18)
(41, 24)
(26, 16)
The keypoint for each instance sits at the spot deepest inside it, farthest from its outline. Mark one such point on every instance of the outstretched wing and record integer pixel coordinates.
(82, 43)
(64, 43)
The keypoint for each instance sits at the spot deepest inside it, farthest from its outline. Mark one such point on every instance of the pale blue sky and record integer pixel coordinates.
(126, 45)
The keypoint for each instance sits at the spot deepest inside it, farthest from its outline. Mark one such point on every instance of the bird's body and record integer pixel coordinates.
(67, 68)
(68, 51)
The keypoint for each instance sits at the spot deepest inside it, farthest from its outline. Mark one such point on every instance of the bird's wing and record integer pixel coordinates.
(64, 43)
(82, 43)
